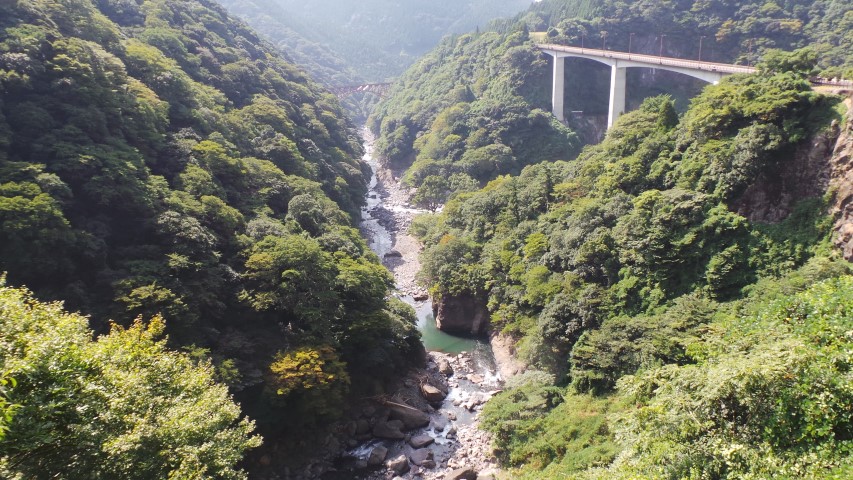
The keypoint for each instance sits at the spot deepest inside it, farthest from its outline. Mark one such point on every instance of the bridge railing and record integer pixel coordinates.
(652, 59)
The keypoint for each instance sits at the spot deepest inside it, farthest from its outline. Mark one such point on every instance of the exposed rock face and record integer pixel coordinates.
(464, 314)
(506, 358)
(806, 174)
(842, 182)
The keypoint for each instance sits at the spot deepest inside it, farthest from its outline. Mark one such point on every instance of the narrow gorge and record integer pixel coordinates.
(427, 425)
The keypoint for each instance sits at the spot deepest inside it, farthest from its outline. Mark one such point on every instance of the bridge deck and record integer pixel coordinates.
(650, 60)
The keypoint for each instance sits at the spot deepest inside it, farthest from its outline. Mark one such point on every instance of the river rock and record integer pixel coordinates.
(390, 429)
(420, 296)
(475, 378)
(410, 416)
(377, 455)
(421, 441)
(398, 464)
(439, 423)
(393, 254)
(464, 473)
(444, 367)
(432, 394)
(421, 455)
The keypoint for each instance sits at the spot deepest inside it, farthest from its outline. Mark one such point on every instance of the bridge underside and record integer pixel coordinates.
(617, 80)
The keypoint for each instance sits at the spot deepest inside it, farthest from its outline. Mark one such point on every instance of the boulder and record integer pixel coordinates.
(432, 394)
(464, 473)
(444, 367)
(439, 423)
(420, 296)
(421, 441)
(399, 464)
(390, 429)
(421, 455)
(410, 416)
(393, 254)
(377, 455)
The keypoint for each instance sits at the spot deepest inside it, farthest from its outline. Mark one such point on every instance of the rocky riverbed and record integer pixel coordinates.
(427, 428)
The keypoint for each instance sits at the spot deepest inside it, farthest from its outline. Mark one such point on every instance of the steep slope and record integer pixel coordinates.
(157, 157)
(458, 100)
(472, 109)
(642, 287)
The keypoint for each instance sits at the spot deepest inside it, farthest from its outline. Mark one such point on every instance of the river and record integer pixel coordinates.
(385, 221)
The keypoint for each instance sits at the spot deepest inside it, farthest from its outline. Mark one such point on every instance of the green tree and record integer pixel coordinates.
(121, 406)
(432, 192)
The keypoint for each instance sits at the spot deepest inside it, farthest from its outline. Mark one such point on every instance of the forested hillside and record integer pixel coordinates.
(344, 43)
(473, 92)
(672, 330)
(156, 157)
(473, 108)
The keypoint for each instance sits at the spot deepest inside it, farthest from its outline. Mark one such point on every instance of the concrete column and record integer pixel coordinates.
(617, 93)
(557, 92)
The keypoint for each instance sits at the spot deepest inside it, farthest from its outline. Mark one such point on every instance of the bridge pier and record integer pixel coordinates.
(617, 93)
(558, 92)
(620, 61)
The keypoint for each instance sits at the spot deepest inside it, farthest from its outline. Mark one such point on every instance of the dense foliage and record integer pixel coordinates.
(475, 107)
(615, 271)
(731, 30)
(157, 157)
(763, 391)
(122, 406)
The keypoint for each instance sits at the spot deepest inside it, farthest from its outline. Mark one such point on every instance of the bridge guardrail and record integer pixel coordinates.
(652, 59)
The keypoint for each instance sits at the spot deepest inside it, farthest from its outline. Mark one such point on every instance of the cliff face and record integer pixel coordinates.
(463, 314)
(841, 164)
(805, 174)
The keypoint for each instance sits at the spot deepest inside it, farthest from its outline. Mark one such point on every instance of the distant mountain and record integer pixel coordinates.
(375, 39)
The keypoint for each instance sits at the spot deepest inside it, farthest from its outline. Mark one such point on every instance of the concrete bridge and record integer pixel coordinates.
(378, 88)
(619, 61)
